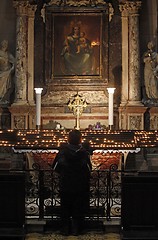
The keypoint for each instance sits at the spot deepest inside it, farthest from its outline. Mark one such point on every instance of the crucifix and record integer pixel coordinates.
(77, 104)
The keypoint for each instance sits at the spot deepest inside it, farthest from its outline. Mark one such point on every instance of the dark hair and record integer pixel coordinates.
(74, 137)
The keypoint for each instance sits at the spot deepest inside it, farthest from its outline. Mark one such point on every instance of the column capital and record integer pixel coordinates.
(129, 8)
(23, 7)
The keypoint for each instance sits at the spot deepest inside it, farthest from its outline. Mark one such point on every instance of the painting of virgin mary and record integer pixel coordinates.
(79, 51)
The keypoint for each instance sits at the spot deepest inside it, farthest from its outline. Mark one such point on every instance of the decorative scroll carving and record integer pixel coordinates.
(76, 3)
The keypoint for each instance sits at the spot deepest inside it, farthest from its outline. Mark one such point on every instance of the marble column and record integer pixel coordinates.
(22, 110)
(125, 64)
(131, 111)
(131, 84)
(31, 16)
(24, 92)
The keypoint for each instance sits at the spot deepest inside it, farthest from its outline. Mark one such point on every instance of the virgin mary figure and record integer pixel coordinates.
(77, 54)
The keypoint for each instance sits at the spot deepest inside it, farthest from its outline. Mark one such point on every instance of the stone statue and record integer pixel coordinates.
(150, 59)
(6, 69)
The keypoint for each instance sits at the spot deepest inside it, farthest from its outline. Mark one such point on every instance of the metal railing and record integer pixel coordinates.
(42, 198)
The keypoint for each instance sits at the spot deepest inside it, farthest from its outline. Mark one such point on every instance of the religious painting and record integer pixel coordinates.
(78, 41)
(76, 47)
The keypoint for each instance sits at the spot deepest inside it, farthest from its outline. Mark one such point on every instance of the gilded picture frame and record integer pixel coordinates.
(76, 46)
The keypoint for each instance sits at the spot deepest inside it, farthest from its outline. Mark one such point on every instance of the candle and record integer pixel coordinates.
(111, 107)
(38, 106)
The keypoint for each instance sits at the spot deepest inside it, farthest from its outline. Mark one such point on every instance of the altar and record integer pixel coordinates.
(37, 149)
(104, 143)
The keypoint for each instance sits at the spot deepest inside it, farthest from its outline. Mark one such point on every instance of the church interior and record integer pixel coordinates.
(90, 65)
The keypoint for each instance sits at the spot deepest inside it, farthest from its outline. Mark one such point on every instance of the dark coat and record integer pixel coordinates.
(74, 167)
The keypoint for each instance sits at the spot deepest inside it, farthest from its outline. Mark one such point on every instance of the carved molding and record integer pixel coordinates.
(76, 3)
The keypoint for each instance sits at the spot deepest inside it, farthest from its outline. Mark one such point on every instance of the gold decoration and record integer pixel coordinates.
(78, 3)
(77, 104)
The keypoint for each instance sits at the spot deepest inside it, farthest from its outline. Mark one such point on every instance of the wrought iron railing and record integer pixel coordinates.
(43, 200)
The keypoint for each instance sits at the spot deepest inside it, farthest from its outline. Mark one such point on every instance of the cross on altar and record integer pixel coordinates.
(77, 104)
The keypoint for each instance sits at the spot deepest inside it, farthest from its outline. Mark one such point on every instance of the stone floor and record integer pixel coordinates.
(108, 230)
(87, 236)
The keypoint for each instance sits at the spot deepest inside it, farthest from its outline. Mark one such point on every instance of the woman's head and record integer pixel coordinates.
(76, 30)
(74, 137)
